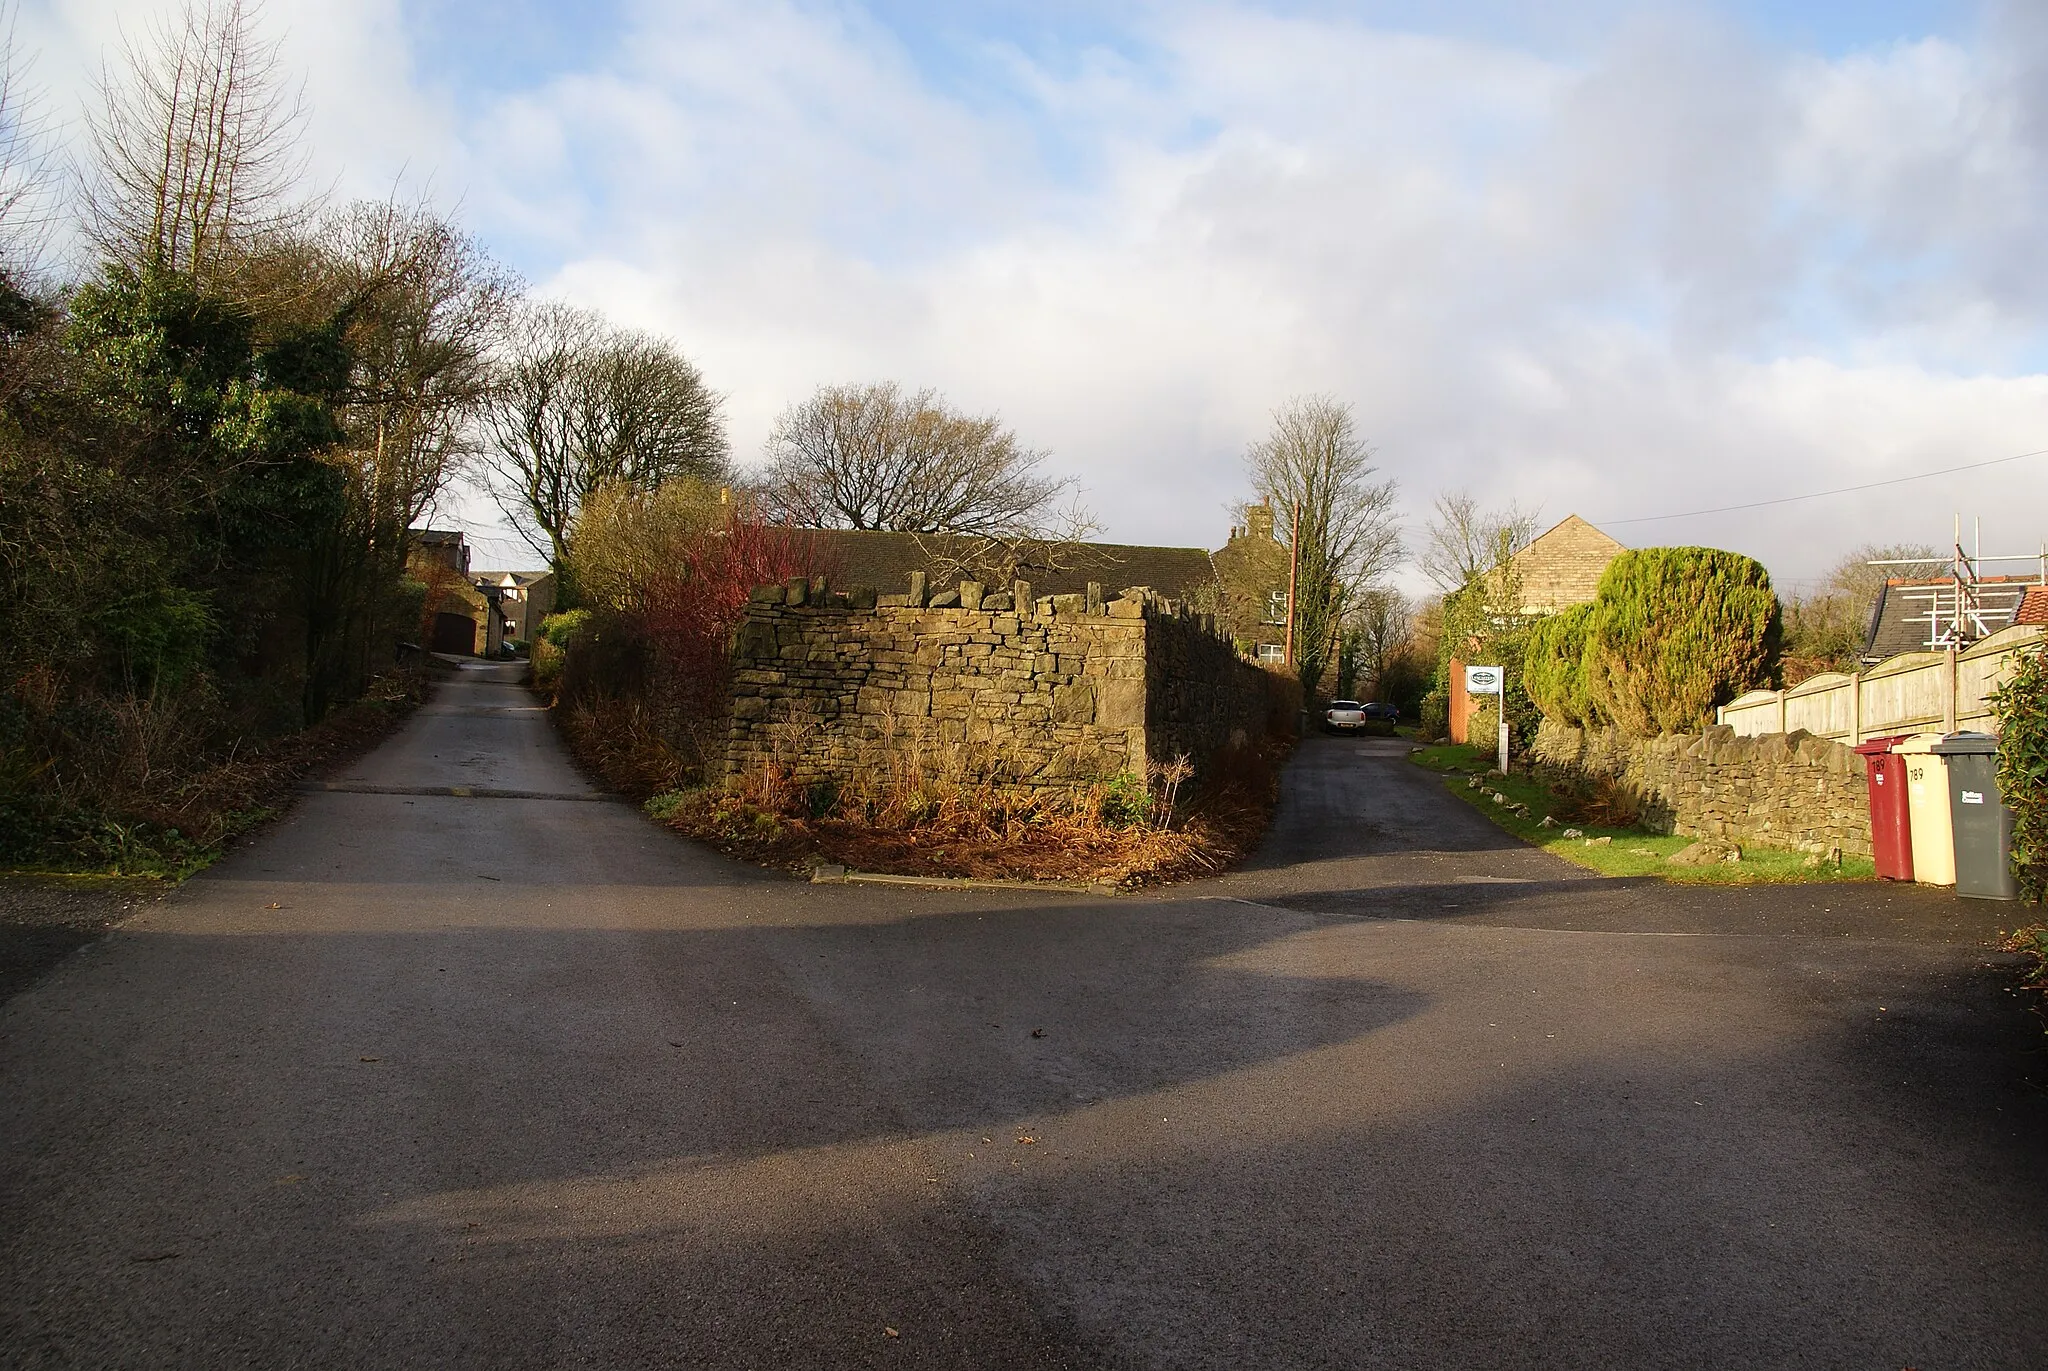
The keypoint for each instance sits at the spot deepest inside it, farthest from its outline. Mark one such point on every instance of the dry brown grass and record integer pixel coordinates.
(158, 810)
(917, 806)
(918, 811)
(208, 805)
(1599, 802)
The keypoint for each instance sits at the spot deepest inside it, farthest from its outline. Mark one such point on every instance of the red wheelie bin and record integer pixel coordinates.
(1891, 825)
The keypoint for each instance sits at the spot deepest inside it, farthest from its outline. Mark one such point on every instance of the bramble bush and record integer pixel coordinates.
(640, 672)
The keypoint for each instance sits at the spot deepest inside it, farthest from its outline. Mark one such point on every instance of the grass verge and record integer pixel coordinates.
(1628, 851)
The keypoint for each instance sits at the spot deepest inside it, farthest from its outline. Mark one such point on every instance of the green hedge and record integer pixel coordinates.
(2021, 705)
(1554, 667)
(1677, 630)
(559, 629)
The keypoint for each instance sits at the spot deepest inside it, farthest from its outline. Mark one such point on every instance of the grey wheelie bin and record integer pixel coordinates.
(1982, 823)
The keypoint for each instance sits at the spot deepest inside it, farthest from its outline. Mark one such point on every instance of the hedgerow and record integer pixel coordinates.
(2021, 706)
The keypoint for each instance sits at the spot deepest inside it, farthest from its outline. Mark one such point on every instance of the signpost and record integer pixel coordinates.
(1492, 680)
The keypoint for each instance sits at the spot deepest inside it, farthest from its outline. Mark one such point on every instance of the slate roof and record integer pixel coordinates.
(1563, 567)
(853, 557)
(518, 578)
(443, 545)
(1900, 622)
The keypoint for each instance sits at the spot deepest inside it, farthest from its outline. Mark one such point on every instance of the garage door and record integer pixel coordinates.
(455, 633)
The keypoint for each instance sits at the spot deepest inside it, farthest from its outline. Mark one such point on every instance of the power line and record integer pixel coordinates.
(1822, 494)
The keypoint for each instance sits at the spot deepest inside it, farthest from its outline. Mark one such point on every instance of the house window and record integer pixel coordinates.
(1275, 653)
(1276, 607)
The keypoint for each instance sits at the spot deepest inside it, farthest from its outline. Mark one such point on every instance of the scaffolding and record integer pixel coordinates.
(1966, 605)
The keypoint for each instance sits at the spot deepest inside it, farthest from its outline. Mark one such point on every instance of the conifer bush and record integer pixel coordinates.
(1674, 631)
(1554, 667)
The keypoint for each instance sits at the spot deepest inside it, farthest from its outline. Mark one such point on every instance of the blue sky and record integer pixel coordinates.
(1606, 258)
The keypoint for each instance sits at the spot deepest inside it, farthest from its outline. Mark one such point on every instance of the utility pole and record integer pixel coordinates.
(1293, 574)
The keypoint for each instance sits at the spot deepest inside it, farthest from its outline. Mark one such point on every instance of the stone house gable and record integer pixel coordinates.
(1252, 569)
(1563, 567)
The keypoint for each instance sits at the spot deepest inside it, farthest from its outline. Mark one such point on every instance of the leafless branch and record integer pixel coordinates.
(196, 142)
(872, 457)
(1314, 461)
(580, 404)
(1463, 541)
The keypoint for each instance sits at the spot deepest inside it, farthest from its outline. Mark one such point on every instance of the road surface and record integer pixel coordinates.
(514, 1078)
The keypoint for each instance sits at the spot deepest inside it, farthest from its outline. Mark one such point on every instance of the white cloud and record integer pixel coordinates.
(1677, 270)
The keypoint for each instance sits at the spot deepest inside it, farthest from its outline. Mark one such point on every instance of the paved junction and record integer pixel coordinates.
(514, 1078)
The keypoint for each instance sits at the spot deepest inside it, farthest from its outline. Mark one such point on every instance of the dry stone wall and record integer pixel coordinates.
(1053, 691)
(1784, 790)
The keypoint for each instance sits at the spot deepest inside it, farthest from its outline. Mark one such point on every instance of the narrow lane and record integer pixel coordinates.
(424, 1078)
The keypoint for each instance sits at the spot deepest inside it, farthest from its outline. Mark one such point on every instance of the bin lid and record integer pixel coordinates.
(1966, 744)
(1877, 747)
(1919, 742)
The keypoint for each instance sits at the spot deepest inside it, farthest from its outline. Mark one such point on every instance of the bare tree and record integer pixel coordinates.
(196, 143)
(1382, 621)
(28, 177)
(873, 457)
(418, 305)
(1463, 541)
(580, 404)
(1854, 576)
(1826, 628)
(1315, 463)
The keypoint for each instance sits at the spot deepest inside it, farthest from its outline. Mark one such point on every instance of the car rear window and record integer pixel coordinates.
(1344, 704)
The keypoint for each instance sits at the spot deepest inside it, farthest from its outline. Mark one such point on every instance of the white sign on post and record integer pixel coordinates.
(1483, 680)
(1492, 680)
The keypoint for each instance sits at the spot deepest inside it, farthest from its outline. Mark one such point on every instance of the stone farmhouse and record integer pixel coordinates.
(524, 599)
(470, 613)
(1561, 568)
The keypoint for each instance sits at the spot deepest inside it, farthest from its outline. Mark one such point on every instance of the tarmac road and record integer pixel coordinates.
(516, 1079)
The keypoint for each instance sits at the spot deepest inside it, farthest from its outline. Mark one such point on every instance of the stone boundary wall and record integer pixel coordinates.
(1055, 691)
(1783, 790)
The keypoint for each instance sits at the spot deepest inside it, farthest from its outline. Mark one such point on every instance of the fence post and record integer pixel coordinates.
(1855, 708)
(1781, 711)
(1948, 692)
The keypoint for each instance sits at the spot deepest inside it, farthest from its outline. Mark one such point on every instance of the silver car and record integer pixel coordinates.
(1344, 716)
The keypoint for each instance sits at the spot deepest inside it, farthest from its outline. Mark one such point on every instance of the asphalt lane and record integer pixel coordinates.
(457, 1079)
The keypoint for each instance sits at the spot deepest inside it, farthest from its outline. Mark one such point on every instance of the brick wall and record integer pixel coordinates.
(1784, 790)
(1061, 692)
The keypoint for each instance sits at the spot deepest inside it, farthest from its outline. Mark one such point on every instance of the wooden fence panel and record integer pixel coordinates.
(1910, 693)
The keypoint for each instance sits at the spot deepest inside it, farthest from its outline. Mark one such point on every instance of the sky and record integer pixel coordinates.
(1615, 259)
